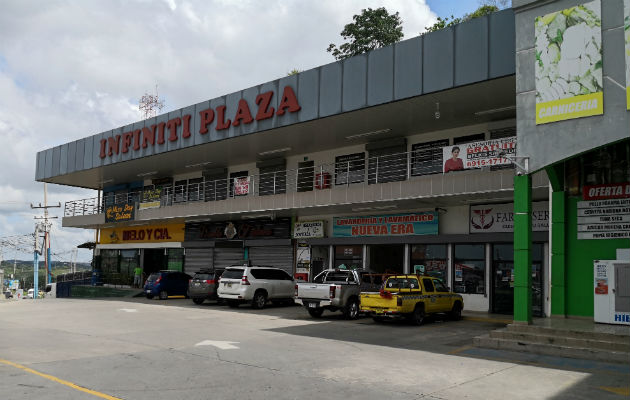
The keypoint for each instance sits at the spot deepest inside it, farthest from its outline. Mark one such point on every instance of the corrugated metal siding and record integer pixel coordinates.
(198, 258)
(225, 257)
(274, 256)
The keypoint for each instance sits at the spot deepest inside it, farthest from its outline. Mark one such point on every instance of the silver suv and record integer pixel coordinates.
(255, 285)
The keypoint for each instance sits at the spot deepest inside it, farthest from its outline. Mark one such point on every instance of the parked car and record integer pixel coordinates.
(255, 285)
(412, 297)
(331, 290)
(30, 293)
(203, 285)
(166, 283)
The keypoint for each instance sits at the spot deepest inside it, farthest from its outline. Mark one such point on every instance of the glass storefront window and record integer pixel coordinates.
(470, 269)
(175, 259)
(128, 261)
(432, 257)
(350, 256)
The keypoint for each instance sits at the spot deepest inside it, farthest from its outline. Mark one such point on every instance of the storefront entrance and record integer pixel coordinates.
(387, 258)
(154, 260)
(503, 279)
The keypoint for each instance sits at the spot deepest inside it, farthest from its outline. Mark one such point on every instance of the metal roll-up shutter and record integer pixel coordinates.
(225, 256)
(273, 256)
(198, 258)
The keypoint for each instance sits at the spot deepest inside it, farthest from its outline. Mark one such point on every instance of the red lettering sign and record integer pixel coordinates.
(607, 191)
(145, 137)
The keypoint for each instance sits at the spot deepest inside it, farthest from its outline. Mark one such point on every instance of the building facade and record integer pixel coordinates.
(394, 161)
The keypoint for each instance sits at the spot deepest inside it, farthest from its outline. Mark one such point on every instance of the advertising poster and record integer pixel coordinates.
(308, 230)
(568, 67)
(422, 223)
(478, 154)
(241, 186)
(626, 35)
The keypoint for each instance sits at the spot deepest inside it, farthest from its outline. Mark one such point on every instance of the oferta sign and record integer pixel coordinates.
(568, 66)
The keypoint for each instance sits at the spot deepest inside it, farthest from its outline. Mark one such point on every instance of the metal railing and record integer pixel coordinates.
(367, 171)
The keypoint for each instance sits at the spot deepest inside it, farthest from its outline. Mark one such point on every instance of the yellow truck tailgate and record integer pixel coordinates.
(374, 302)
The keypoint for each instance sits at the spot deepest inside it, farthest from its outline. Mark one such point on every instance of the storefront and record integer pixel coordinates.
(221, 244)
(151, 247)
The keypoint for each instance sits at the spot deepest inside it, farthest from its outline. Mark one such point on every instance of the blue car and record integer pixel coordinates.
(166, 283)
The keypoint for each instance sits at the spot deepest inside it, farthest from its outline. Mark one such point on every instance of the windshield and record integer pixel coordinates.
(236, 273)
(153, 277)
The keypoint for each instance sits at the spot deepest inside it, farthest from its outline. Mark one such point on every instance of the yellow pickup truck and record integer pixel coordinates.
(413, 297)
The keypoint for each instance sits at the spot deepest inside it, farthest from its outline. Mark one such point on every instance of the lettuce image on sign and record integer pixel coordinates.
(568, 66)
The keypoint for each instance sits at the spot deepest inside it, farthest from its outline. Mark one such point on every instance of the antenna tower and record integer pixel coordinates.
(150, 104)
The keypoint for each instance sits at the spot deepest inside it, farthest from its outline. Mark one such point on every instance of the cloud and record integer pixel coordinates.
(73, 69)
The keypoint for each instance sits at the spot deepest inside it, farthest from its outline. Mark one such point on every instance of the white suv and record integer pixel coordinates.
(243, 284)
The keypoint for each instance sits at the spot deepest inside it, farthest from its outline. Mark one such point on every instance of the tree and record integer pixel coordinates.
(487, 7)
(370, 30)
(294, 71)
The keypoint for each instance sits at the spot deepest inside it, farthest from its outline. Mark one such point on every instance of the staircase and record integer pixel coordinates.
(610, 346)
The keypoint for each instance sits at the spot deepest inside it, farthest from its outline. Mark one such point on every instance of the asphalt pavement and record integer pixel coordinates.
(173, 349)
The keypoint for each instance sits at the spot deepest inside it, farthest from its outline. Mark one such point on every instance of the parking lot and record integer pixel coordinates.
(173, 349)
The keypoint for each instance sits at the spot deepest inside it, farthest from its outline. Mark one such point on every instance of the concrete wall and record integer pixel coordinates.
(549, 143)
(470, 52)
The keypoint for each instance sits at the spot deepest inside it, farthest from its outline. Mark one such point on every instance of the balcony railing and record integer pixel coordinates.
(365, 171)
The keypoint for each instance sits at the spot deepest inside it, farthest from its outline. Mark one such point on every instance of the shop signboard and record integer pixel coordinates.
(143, 234)
(241, 186)
(606, 191)
(420, 223)
(493, 218)
(603, 219)
(259, 229)
(150, 199)
(568, 64)
(626, 34)
(308, 229)
(484, 153)
(120, 212)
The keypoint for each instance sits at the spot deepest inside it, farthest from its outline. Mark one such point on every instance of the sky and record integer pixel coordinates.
(73, 69)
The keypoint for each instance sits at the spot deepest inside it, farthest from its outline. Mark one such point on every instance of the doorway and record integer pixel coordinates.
(387, 258)
(503, 279)
(154, 260)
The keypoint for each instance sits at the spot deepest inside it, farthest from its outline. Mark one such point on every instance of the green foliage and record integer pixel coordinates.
(294, 71)
(370, 30)
(487, 8)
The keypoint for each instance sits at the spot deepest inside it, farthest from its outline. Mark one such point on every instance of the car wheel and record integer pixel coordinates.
(149, 296)
(232, 303)
(351, 310)
(163, 295)
(259, 300)
(315, 312)
(417, 317)
(456, 312)
(198, 301)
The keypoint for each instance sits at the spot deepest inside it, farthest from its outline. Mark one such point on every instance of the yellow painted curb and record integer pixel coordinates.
(61, 381)
(623, 391)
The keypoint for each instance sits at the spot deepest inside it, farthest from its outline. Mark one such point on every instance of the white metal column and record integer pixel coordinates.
(331, 256)
(406, 260)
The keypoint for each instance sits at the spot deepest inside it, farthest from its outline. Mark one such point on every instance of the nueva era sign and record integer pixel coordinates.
(161, 132)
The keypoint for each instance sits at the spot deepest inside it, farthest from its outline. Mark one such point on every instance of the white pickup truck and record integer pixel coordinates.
(333, 289)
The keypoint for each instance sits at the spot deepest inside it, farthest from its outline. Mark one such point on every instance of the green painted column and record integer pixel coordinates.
(522, 249)
(558, 257)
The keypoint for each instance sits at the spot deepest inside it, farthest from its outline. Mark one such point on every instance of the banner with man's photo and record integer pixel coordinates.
(486, 153)
(568, 67)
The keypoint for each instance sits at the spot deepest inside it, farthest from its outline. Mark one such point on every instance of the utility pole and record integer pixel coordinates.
(46, 229)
